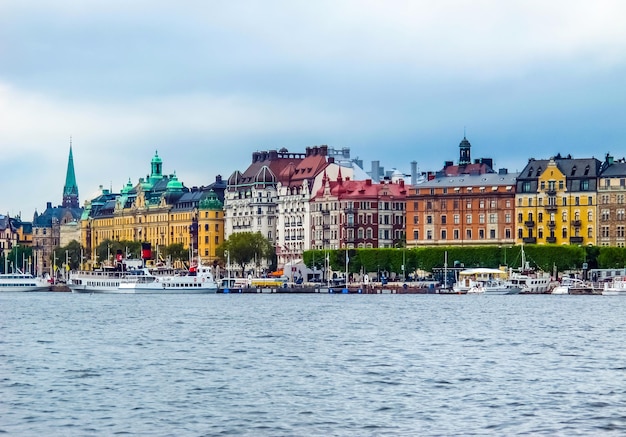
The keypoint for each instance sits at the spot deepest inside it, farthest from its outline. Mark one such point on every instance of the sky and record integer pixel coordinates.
(207, 83)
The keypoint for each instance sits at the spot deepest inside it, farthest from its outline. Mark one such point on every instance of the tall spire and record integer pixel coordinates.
(70, 190)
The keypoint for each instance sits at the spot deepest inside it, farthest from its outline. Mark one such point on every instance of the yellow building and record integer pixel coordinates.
(158, 210)
(556, 201)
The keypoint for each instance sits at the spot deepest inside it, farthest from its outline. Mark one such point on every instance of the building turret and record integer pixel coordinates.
(70, 190)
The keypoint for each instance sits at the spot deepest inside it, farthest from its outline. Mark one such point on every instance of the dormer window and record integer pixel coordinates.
(573, 171)
(586, 170)
(530, 172)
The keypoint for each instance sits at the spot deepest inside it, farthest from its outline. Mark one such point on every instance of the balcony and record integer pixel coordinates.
(576, 240)
(529, 223)
(529, 240)
(551, 223)
(576, 223)
(551, 192)
(551, 208)
(550, 239)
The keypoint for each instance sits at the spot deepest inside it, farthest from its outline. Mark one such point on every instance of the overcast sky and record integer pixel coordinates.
(207, 83)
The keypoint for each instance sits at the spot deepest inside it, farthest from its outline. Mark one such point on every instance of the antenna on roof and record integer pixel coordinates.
(464, 136)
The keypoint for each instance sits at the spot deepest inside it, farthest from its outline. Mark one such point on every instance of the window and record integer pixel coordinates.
(584, 185)
(561, 185)
(481, 234)
(564, 232)
(540, 233)
(520, 233)
(444, 234)
(457, 219)
(492, 234)
(429, 234)
(589, 232)
(605, 231)
(530, 201)
(468, 219)
(481, 218)
(520, 217)
(540, 217)
(493, 218)
(620, 231)
(415, 219)
(443, 219)
(507, 233)
(507, 217)
(416, 234)
(456, 234)
(468, 234)
(429, 219)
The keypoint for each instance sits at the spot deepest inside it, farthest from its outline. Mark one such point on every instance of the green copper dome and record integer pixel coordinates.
(211, 202)
(174, 184)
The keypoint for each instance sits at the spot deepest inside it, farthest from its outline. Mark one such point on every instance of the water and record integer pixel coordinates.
(288, 365)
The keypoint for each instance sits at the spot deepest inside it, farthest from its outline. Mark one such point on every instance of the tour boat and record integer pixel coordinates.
(23, 282)
(105, 280)
(198, 280)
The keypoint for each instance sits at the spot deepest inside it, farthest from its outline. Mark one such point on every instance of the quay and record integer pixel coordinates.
(390, 288)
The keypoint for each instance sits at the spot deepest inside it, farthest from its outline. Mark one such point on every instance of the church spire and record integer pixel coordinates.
(70, 190)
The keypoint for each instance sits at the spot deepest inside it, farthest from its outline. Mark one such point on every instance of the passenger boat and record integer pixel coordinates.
(616, 287)
(573, 286)
(198, 280)
(105, 280)
(23, 282)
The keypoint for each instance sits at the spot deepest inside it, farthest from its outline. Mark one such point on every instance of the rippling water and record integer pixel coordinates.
(312, 365)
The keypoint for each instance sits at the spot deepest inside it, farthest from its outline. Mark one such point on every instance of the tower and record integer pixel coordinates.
(70, 190)
(464, 152)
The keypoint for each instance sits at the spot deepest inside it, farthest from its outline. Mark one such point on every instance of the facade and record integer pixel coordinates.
(357, 214)
(467, 209)
(556, 201)
(299, 182)
(611, 212)
(158, 210)
(272, 197)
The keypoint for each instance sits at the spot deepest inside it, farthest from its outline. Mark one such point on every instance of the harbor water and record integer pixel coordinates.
(311, 365)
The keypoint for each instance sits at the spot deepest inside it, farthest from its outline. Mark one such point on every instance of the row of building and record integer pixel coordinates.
(320, 199)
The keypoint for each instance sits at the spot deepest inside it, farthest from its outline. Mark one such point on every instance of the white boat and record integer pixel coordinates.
(197, 280)
(23, 282)
(616, 287)
(99, 281)
(572, 286)
(484, 281)
(528, 280)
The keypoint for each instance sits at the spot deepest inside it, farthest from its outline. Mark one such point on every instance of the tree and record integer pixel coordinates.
(19, 257)
(70, 253)
(107, 250)
(176, 252)
(244, 247)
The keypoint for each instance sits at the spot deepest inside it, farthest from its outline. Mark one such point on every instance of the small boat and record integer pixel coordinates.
(572, 286)
(616, 287)
(23, 282)
(484, 281)
(198, 280)
(528, 280)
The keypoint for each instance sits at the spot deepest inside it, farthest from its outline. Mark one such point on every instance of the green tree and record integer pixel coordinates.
(245, 247)
(19, 257)
(176, 252)
(70, 254)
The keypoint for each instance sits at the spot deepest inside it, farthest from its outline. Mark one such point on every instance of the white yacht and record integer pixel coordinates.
(23, 282)
(616, 287)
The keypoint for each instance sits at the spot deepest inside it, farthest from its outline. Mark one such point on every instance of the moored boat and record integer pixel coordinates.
(484, 281)
(23, 282)
(572, 286)
(197, 280)
(616, 287)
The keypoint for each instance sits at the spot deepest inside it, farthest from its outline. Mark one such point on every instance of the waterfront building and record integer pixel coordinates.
(158, 210)
(9, 237)
(272, 197)
(471, 209)
(464, 203)
(357, 214)
(611, 212)
(47, 225)
(299, 182)
(556, 201)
